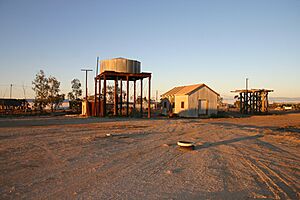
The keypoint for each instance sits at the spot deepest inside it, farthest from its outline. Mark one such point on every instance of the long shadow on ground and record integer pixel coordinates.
(226, 142)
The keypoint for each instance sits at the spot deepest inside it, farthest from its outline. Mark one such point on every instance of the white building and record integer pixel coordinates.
(190, 101)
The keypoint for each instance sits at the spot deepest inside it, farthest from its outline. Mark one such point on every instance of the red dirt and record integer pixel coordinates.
(67, 158)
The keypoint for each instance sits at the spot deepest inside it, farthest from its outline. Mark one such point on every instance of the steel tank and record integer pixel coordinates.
(120, 65)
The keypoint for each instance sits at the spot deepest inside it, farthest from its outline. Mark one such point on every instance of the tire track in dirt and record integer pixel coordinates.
(274, 182)
(226, 162)
(292, 193)
(272, 186)
(284, 182)
(232, 174)
(287, 160)
(278, 185)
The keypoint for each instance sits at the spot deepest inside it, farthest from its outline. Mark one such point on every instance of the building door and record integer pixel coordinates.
(202, 107)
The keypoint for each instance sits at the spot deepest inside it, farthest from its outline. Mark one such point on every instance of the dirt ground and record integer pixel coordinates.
(72, 158)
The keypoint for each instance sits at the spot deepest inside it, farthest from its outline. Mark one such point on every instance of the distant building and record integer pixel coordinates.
(287, 107)
(190, 101)
(65, 105)
(13, 106)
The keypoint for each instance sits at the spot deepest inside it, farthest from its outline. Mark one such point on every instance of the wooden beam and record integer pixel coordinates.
(111, 74)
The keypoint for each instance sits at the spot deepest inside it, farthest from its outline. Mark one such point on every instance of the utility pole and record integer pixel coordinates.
(86, 86)
(97, 66)
(10, 91)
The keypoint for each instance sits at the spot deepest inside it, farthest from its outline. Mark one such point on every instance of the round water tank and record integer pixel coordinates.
(120, 65)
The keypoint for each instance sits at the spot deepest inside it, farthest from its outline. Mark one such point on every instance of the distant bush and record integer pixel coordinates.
(219, 115)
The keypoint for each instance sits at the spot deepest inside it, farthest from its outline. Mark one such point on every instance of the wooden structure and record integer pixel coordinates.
(100, 105)
(11, 106)
(253, 101)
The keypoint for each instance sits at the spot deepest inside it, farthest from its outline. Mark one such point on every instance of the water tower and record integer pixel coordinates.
(120, 70)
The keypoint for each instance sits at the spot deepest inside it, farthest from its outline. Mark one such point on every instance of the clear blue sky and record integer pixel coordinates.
(219, 43)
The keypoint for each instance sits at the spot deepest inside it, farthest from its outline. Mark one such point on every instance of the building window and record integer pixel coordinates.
(182, 104)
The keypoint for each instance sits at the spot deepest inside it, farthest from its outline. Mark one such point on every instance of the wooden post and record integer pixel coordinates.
(95, 99)
(260, 105)
(141, 109)
(121, 98)
(86, 87)
(99, 99)
(267, 102)
(241, 102)
(104, 97)
(253, 102)
(116, 97)
(256, 103)
(149, 98)
(263, 101)
(134, 93)
(246, 102)
(127, 97)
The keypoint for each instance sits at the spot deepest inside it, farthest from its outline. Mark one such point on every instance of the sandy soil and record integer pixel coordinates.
(72, 158)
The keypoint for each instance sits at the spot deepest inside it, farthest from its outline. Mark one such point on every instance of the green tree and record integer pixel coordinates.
(46, 91)
(40, 87)
(58, 100)
(110, 93)
(110, 90)
(54, 98)
(74, 95)
(76, 92)
(71, 96)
